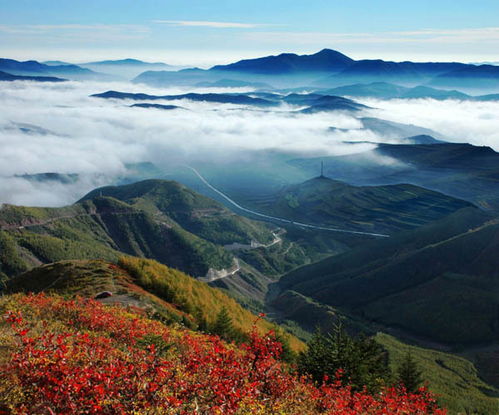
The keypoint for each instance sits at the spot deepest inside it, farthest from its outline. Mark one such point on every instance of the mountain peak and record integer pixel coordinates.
(326, 60)
(331, 52)
(126, 61)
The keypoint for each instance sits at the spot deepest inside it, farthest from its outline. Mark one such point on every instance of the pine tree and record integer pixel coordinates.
(409, 374)
(372, 364)
(223, 326)
(363, 361)
(313, 361)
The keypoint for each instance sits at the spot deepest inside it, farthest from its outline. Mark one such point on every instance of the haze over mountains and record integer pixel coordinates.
(386, 90)
(330, 68)
(98, 71)
(34, 68)
(327, 68)
(126, 68)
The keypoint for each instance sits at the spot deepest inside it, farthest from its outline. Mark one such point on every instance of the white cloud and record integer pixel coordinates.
(458, 36)
(95, 138)
(216, 25)
(460, 121)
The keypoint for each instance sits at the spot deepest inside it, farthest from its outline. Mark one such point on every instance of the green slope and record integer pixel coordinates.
(211, 221)
(366, 208)
(194, 212)
(158, 219)
(454, 379)
(440, 281)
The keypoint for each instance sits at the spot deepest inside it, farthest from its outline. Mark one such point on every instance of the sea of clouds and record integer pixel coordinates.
(59, 128)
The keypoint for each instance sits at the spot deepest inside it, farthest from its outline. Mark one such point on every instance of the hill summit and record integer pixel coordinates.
(326, 60)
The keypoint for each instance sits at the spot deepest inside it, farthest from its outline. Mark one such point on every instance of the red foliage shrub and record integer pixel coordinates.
(81, 357)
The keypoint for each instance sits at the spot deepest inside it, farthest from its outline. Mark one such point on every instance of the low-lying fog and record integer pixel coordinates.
(59, 128)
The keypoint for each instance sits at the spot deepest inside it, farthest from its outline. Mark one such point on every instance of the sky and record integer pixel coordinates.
(208, 32)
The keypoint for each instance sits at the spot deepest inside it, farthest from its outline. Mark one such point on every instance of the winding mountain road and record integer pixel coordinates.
(275, 218)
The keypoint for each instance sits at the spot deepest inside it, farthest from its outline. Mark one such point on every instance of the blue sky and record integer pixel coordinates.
(205, 32)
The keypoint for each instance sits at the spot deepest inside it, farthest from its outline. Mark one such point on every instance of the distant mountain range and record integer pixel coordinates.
(385, 90)
(332, 68)
(320, 101)
(34, 68)
(96, 71)
(126, 68)
(325, 69)
(313, 102)
(216, 98)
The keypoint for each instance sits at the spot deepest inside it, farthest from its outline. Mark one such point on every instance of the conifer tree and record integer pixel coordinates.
(316, 360)
(363, 361)
(409, 374)
(223, 326)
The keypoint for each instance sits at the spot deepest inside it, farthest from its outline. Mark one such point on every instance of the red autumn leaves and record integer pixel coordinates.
(81, 357)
